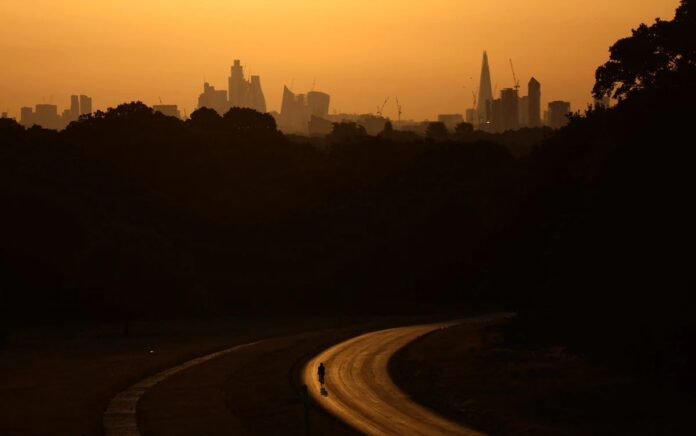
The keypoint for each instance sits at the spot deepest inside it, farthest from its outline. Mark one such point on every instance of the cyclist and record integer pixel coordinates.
(321, 371)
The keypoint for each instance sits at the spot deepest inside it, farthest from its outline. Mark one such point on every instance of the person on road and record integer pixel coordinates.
(321, 371)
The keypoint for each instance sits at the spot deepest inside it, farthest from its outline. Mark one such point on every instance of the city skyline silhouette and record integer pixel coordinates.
(307, 43)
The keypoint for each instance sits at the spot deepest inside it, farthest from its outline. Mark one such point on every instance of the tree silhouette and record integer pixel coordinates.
(346, 131)
(652, 56)
(248, 122)
(205, 118)
(437, 131)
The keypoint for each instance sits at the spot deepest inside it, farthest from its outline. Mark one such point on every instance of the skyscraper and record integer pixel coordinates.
(74, 108)
(46, 116)
(294, 114)
(85, 105)
(510, 109)
(558, 114)
(318, 103)
(26, 117)
(256, 99)
(534, 93)
(212, 98)
(245, 93)
(297, 110)
(485, 91)
(237, 87)
(524, 110)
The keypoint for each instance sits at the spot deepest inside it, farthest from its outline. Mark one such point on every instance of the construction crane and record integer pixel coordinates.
(474, 94)
(381, 108)
(514, 77)
(398, 108)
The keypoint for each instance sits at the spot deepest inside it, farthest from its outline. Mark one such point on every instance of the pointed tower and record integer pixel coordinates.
(485, 96)
(238, 87)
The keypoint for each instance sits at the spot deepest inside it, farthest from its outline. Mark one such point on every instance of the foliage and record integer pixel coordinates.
(436, 131)
(652, 56)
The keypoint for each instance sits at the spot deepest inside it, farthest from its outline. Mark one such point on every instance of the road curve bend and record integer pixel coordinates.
(360, 392)
(120, 417)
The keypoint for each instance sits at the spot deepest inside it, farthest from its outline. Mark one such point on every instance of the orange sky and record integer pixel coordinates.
(427, 53)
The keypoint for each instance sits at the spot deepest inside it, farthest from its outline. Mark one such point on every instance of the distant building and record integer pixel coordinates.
(212, 98)
(170, 110)
(257, 101)
(237, 86)
(558, 114)
(74, 108)
(450, 120)
(510, 119)
(471, 117)
(495, 115)
(85, 105)
(294, 113)
(79, 105)
(318, 103)
(4, 115)
(46, 116)
(523, 111)
(67, 117)
(26, 117)
(245, 93)
(297, 110)
(534, 94)
(485, 96)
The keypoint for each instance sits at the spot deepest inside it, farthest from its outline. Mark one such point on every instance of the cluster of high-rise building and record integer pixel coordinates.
(297, 111)
(309, 113)
(46, 115)
(511, 111)
(241, 92)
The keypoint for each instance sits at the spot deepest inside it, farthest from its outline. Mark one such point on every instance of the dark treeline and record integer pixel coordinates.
(132, 213)
(588, 234)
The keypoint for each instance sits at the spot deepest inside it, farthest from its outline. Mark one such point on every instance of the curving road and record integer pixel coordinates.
(120, 417)
(360, 392)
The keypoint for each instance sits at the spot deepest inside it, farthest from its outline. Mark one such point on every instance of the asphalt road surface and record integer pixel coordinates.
(360, 392)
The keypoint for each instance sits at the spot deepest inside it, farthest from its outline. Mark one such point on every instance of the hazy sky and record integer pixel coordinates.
(427, 53)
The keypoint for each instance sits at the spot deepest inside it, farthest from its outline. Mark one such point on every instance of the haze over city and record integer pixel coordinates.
(427, 54)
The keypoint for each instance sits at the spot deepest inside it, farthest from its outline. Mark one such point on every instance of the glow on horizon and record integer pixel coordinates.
(426, 53)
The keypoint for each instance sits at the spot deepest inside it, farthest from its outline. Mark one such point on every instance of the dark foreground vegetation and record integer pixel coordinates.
(130, 214)
(598, 264)
(481, 374)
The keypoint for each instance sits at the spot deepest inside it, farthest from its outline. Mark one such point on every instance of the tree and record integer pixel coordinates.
(205, 118)
(652, 56)
(437, 131)
(388, 129)
(346, 131)
(464, 131)
(248, 122)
